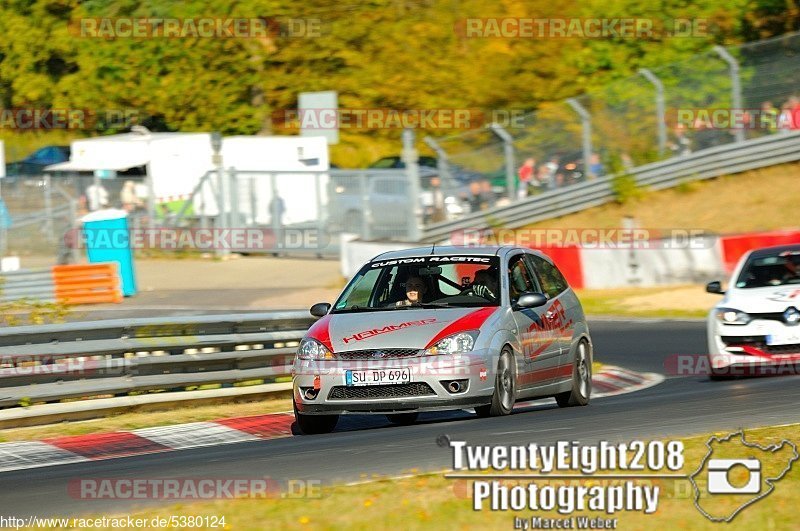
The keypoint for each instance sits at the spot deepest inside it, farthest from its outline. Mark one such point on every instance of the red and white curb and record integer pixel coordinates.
(612, 381)
(609, 381)
(81, 448)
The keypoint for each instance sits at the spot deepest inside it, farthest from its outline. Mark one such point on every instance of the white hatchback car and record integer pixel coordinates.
(755, 329)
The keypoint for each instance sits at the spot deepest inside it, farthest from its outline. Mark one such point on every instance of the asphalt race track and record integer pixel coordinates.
(681, 405)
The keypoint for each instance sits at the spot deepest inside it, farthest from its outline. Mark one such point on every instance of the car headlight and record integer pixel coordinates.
(454, 344)
(311, 349)
(731, 316)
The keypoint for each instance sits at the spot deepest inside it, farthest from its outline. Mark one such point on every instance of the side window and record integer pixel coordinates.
(519, 279)
(553, 282)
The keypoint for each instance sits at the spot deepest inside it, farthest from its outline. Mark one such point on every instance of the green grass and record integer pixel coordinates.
(147, 419)
(434, 502)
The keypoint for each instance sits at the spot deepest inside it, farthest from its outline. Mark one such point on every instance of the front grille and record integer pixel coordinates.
(372, 392)
(378, 354)
(780, 349)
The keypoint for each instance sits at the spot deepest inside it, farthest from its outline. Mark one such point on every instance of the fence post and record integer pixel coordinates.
(445, 177)
(363, 188)
(411, 160)
(586, 124)
(275, 213)
(736, 87)
(508, 152)
(234, 191)
(660, 111)
(48, 208)
(253, 203)
(320, 218)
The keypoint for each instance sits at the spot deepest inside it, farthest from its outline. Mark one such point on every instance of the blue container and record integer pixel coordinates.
(107, 240)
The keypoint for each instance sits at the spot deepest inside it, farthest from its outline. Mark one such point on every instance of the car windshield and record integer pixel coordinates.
(423, 282)
(776, 270)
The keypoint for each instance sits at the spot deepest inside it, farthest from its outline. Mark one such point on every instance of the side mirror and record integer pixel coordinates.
(320, 309)
(715, 287)
(531, 300)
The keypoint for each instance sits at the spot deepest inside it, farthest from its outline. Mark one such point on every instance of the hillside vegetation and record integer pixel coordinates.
(388, 54)
(763, 199)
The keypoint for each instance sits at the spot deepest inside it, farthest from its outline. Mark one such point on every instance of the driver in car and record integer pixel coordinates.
(484, 285)
(415, 290)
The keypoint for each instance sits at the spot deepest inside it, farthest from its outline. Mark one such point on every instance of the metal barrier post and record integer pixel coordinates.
(363, 186)
(660, 112)
(586, 123)
(736, 87)
(411, 160)
(508, 151)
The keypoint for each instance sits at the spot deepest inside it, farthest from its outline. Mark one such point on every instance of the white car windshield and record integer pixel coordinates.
(423, 282)
(771, 270)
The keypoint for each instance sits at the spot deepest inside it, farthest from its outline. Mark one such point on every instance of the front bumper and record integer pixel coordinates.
(744, 348)
(427, 391)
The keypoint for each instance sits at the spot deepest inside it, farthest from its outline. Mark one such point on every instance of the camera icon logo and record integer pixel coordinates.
(720, 473)
(736, 473)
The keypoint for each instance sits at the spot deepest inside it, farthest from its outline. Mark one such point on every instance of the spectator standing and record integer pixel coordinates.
(682, 144)
(596, 168)
(552, 171)
(525, 173)
(96, 196)
(128, 198)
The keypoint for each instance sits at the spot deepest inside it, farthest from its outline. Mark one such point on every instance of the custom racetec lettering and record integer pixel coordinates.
(366, 334)
(435, 259)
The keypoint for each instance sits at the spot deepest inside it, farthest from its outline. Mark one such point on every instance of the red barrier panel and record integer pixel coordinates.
(568, 261)
(733, 247)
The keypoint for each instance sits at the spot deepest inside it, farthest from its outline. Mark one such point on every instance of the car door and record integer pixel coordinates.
(558, 312)
(540, 351)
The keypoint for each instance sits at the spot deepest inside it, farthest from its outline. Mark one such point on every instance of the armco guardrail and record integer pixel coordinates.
(116, 357)
(713, 162)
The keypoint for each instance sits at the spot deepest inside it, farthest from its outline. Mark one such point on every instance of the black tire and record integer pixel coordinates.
(315, 424)
(505, 388)
(581, 379)
(403, 419)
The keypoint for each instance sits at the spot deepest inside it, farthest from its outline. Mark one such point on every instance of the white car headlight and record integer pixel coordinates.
(454, 344)
(311, 349)
(731, 316)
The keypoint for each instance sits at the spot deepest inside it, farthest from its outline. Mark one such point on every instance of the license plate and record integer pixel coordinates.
(784, 338)
(378, 377)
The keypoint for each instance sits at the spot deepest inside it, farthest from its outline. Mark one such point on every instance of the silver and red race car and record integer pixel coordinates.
(440, 328)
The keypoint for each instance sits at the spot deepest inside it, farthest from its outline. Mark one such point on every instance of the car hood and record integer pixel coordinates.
(769, 299)
(415, 328)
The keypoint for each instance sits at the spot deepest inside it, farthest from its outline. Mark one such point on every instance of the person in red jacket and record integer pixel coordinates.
(525, 174)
